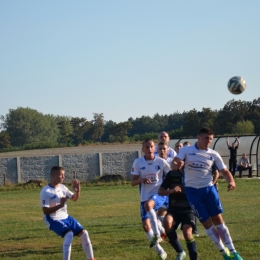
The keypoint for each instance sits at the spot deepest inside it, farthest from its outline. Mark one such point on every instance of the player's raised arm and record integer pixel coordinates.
(76, 188)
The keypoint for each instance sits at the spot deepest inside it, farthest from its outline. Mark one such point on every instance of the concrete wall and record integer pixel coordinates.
(86, 166)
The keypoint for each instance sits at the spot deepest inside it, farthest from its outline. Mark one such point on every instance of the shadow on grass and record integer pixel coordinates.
(23, 253)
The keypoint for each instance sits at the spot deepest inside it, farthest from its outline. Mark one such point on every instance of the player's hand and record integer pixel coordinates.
(175, 189)
(146, 181)
(231, 185)
(63, 201)
(76, 185)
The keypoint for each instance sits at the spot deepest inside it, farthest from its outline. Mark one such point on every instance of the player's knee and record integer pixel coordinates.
(149, 205)
(69, 235)
(187, 232)
(168, 223)
(67, 240)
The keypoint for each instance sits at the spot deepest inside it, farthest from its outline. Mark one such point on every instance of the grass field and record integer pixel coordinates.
(110, 213)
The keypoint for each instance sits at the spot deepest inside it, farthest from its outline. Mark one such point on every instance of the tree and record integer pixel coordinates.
(243, 128)
(97, 126)
(79, 127)
(191, 124)
(119, 131)
(28, 126)
(65, 130)
(4, 140)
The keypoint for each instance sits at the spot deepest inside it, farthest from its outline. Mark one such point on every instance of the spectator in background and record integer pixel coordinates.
(233, 155)
(244, 164)
(164, 137)
(186, 143)
(178, 146)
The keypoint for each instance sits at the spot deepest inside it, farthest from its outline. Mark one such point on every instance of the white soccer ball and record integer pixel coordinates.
(236, 85)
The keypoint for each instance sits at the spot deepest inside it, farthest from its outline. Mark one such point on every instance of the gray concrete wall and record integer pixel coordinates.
(86, 166)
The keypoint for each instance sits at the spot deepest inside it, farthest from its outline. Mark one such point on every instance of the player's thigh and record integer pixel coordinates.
(155, 202)
(197, 203)
(214, 206)
(59, 227)
(74, 225)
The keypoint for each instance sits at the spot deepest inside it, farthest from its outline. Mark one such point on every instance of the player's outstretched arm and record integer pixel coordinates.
(177, 164)
(76, 188)
(229, 178)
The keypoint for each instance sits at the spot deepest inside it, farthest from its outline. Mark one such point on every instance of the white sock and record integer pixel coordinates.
(214, 236)
(225, 237)
(161, 218)
(158, 249)
(67, 245)
(149, 235)
(86, 244)
(154, 222)
(160, 227)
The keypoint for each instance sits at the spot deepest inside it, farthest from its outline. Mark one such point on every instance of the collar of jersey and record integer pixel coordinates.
(149, 160)
(199, 148)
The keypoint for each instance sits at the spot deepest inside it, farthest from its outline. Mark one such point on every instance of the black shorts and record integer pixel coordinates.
(182, 216)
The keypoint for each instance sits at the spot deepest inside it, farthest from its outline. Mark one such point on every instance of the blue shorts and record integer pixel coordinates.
(158, 200)
(166, 203)
(204, 202)
(63, 226)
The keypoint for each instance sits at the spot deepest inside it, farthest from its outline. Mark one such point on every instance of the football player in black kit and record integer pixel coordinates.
(179, 211)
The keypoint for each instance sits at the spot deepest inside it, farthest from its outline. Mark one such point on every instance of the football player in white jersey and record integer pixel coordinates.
(147, 172)
(198, 161)
(162, 152)
(164, 137)
(53, 201)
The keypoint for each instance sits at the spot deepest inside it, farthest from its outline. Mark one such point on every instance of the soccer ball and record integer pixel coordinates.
(236, 85)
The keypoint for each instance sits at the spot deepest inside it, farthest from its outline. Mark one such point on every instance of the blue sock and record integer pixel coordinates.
(174, 241)
(191, 245)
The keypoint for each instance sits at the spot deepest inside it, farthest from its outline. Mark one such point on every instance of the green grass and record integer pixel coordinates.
(110, 213)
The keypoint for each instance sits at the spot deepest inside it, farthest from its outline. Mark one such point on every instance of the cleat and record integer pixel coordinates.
(162, 256)
(226, 256)
(235, 256)
(195, 233)
(155, 241)
(181, 255)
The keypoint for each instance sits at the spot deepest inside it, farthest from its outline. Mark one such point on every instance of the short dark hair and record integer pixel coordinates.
(205, 130)
(147, 140)
(162, 143)
(57, 168)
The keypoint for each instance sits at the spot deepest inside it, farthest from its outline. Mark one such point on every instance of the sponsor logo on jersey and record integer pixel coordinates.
(157, 167)
(143, 168)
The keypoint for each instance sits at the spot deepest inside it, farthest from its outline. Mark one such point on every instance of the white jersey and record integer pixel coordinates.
(154, 170)
(198, 165)
(171, 153)
(51, 196)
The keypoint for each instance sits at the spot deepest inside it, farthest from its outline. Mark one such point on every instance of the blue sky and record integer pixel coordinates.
(126, 58)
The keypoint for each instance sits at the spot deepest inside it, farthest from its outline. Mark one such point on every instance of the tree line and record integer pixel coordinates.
(26, 128)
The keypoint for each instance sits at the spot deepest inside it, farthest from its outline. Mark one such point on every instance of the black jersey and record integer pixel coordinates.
(178, 199)
(233, 153)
